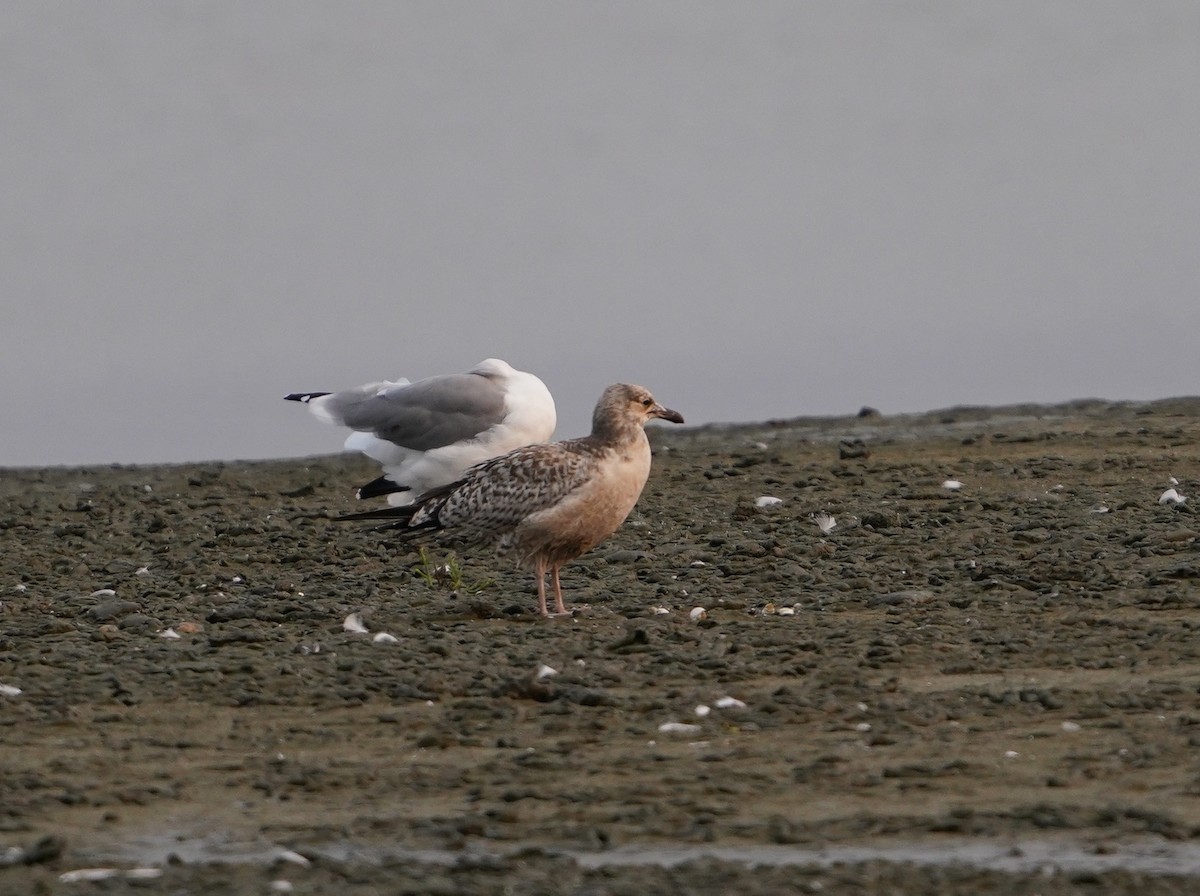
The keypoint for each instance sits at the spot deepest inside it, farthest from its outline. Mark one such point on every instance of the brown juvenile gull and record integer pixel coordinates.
(545, 504)
(426, 434)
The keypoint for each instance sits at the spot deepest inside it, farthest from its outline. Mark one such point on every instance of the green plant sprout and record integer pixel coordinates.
(448, 575)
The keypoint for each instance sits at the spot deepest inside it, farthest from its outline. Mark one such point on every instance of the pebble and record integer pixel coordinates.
(850, 449)
(291, 856)
(139, 622)
(625, 556)
(93, 875)
(679, 728)
(113, 608)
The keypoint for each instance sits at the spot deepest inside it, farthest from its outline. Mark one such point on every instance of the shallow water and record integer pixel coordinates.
(1069, 855)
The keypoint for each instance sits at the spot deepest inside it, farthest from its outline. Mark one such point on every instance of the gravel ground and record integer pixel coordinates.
(994, 688)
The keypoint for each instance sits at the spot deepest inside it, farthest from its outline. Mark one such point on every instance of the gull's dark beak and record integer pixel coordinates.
(665, 413)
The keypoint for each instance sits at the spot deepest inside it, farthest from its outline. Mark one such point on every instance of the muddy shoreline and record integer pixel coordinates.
(1011, 666)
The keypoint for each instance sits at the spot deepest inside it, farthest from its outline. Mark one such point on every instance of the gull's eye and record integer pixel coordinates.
(647, 402)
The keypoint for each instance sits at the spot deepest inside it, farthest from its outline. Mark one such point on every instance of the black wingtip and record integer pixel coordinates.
(397, 516)
(305, 397)
(381, 486)
(393, 518)
(405, 511)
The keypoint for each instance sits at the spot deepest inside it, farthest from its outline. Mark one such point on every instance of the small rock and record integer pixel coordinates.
(624, 556)
(880, 519)
(679, 728)
(138, 622)
(853, 449)
(47, 849)
(896, 598)
(112, 608)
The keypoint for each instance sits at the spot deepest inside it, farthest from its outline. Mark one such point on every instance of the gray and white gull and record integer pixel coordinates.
(428, 433)
(544, 504)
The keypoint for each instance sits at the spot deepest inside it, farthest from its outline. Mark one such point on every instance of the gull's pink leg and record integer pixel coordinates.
(541, 576)
(559, 607)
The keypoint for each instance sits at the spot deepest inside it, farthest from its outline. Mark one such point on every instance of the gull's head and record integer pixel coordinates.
(624, 404)
(493, 368)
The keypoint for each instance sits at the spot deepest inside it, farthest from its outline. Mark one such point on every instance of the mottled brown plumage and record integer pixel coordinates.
(546, 504)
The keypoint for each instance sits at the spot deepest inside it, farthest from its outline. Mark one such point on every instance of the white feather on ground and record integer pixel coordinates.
(545, 504)
(426, 434)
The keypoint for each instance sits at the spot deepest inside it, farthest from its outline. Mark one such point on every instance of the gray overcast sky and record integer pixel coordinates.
(757, 210)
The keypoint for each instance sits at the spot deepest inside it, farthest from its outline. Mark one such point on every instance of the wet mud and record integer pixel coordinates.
(986, 688)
